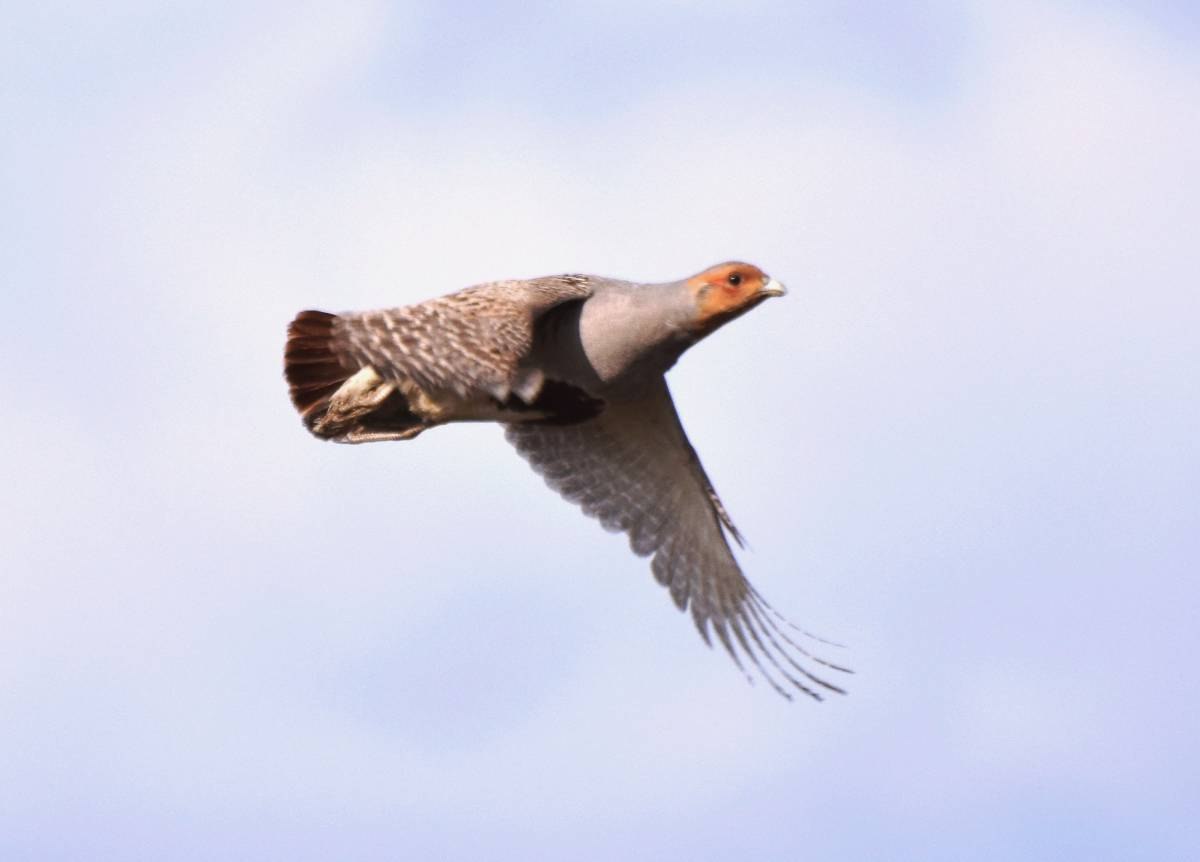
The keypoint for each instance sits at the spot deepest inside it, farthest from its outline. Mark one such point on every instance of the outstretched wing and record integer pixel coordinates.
(633, 468)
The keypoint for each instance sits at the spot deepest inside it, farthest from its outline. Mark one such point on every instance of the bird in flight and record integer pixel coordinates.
(573, 366)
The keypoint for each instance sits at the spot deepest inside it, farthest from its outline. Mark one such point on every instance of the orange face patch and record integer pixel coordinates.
(725, 289)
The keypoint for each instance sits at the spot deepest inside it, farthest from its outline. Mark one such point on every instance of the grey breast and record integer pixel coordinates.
(620, 337)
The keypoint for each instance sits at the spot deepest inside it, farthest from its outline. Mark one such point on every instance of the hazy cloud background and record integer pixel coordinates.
(966, 444)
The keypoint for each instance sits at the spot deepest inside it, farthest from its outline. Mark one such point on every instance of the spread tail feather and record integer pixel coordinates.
(312, 367)
(338, 398)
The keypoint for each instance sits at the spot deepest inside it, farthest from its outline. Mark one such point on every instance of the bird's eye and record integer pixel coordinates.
(735, 278)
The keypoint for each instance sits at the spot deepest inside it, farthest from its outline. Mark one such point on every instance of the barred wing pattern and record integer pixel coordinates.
(633, 468)
(469, 341)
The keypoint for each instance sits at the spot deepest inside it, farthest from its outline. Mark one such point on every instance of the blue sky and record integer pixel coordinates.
(965, 444)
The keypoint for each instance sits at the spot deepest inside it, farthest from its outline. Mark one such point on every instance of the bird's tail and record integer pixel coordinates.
(339, 398)
(311, 365)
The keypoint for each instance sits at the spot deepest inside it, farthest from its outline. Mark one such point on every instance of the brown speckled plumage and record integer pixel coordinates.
(573, 367)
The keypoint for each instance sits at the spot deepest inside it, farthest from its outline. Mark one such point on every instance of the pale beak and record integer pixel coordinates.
(773, 288)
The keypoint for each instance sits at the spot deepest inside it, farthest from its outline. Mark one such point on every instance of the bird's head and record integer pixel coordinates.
(727, 290)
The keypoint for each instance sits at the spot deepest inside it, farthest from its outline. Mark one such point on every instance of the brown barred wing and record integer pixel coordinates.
(353, 376)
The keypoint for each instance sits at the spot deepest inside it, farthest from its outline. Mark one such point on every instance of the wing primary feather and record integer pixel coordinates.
(752, 629)
(793, 626)
(719, 627)
(741, 639)
(757, 598)
(701, 626)
(766, 628)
